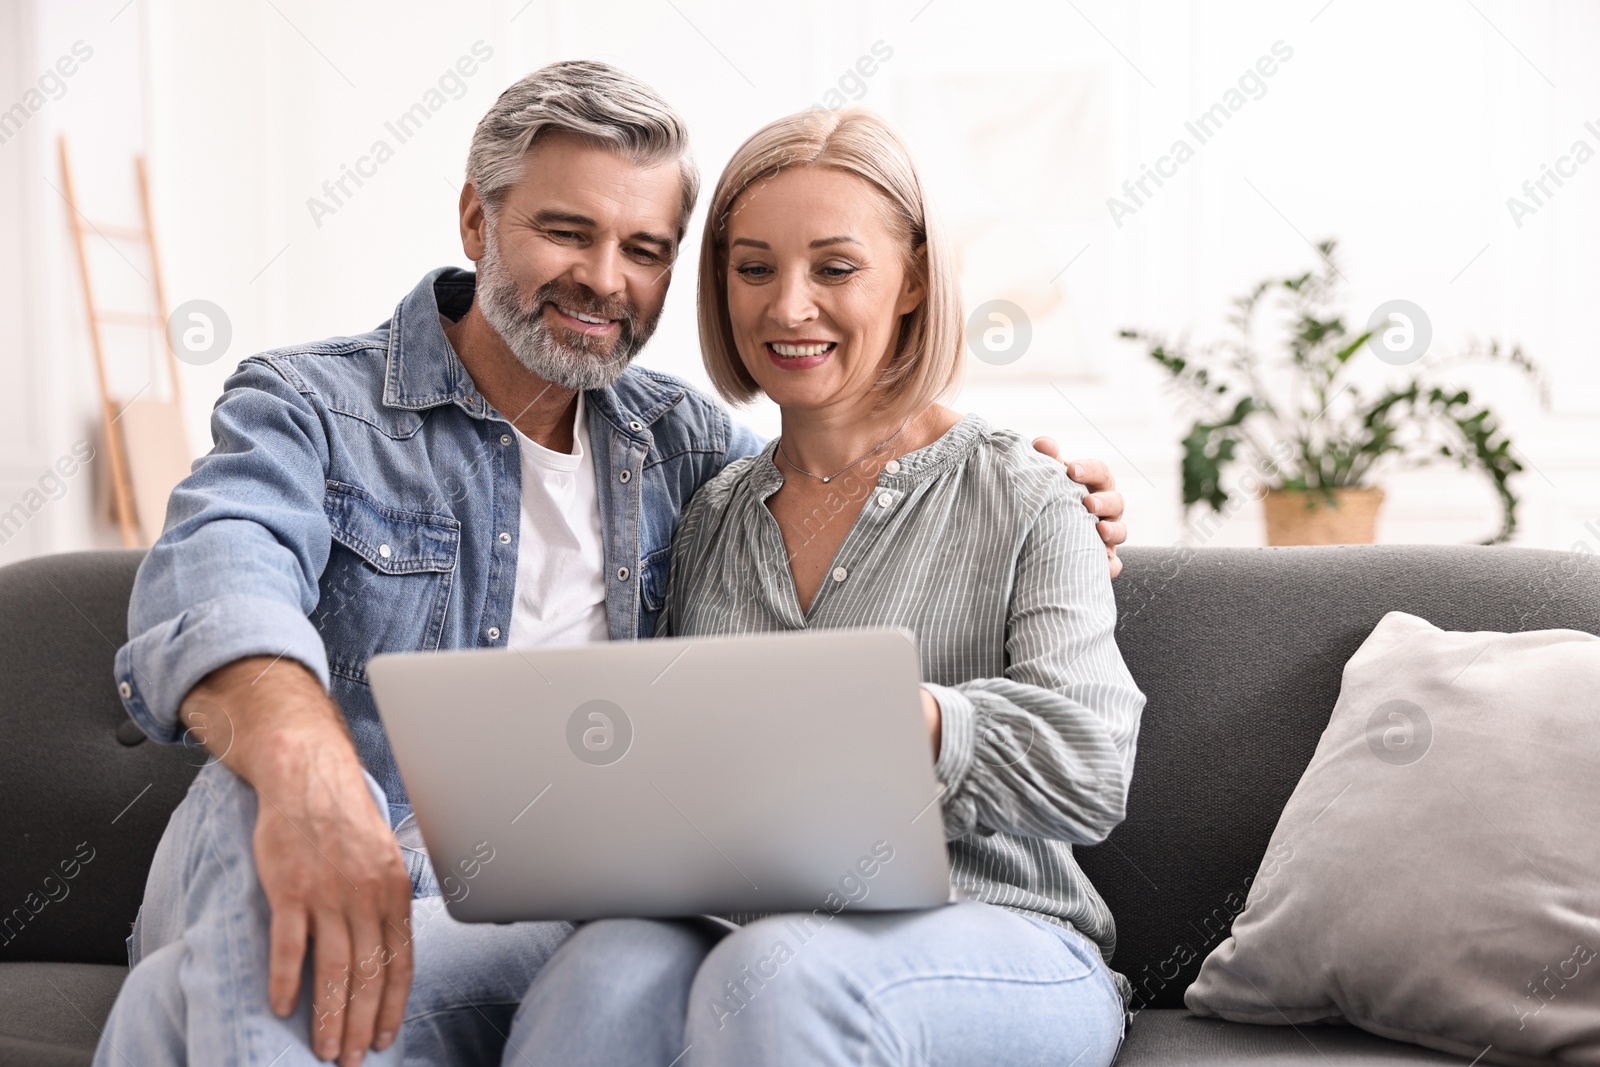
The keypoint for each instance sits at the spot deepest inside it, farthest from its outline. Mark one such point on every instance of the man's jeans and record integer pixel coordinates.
(198, 989)
(968, 985)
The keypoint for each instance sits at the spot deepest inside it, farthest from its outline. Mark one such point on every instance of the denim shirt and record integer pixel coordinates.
(362, 497)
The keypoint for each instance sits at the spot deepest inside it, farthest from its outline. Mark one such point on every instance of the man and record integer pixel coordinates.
(485, 469)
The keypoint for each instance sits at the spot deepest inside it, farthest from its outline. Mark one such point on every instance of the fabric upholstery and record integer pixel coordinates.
(1177, 1039)
(71, 785)
(1240, 652)
(1434, 878)
(50, 1013)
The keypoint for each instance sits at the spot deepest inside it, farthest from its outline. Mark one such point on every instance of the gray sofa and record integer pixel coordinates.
(1239, 650)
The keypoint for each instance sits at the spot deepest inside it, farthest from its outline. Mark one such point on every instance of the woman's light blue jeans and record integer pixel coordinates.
(966, 984)
(197, 993)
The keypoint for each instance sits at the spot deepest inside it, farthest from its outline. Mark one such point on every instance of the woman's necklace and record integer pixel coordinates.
(881, 446)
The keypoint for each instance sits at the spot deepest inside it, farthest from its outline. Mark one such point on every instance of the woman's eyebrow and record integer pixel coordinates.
(820, 242)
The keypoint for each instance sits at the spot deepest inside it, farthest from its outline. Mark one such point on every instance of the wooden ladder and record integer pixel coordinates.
(155, 426)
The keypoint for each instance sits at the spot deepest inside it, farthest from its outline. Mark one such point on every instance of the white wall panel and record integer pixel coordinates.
(1399, 129)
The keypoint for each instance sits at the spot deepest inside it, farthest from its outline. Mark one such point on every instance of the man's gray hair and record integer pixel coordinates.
(594, 101)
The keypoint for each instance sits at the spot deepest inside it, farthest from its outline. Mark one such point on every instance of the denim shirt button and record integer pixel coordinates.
(622, 574)
(625, 477)
(505, 538)
(505, 439)
(494, 633)
(124, 690)
(385, 551)
(635, 425)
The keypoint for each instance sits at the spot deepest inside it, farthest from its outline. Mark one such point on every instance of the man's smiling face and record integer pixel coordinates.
(576, 259)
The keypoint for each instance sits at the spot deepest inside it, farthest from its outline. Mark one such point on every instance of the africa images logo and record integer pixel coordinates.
(599, 732)
(1399, 732)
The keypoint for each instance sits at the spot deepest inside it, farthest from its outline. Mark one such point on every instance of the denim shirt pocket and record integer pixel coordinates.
(387, 584)
(653, 571)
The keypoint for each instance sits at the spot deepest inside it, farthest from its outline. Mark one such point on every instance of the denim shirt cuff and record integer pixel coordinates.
(156, 669)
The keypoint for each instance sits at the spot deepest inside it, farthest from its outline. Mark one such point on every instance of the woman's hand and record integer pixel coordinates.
(1103, 501)
(930, 712)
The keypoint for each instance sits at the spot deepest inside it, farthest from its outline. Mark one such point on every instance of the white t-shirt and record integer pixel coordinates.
(560, 595)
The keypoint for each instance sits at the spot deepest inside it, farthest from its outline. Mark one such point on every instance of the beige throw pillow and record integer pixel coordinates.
(1435, 877)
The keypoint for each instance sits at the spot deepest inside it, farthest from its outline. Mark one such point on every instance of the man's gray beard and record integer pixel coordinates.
(585, 364)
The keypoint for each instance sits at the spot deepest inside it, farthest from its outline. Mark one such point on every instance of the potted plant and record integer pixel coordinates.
(1314, 437)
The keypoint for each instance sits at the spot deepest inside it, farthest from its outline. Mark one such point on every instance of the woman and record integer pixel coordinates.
(824, 285)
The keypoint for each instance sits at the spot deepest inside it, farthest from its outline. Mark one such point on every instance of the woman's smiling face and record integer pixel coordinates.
(817, 284)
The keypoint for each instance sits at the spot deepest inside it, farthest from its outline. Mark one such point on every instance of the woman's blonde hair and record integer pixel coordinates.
(928, 353)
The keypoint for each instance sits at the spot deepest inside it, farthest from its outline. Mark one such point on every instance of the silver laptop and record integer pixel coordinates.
(681, 776)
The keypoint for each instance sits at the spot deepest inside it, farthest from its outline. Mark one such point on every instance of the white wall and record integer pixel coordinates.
(48, 405)
(1399, 129)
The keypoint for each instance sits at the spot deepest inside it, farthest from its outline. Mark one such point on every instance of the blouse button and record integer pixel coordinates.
(385, 551)
(885, 499)
(840, 574)
(892, 467)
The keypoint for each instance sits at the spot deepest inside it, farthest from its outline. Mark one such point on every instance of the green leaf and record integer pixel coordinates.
(1414, 423)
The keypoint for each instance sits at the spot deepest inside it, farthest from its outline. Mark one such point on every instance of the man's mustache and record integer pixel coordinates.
(582, 298)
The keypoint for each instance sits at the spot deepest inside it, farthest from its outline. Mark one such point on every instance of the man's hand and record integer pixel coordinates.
(325, 855)
(1103, 501)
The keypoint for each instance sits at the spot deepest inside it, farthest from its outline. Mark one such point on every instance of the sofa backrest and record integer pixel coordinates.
(1241, 653)
(83, 796)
